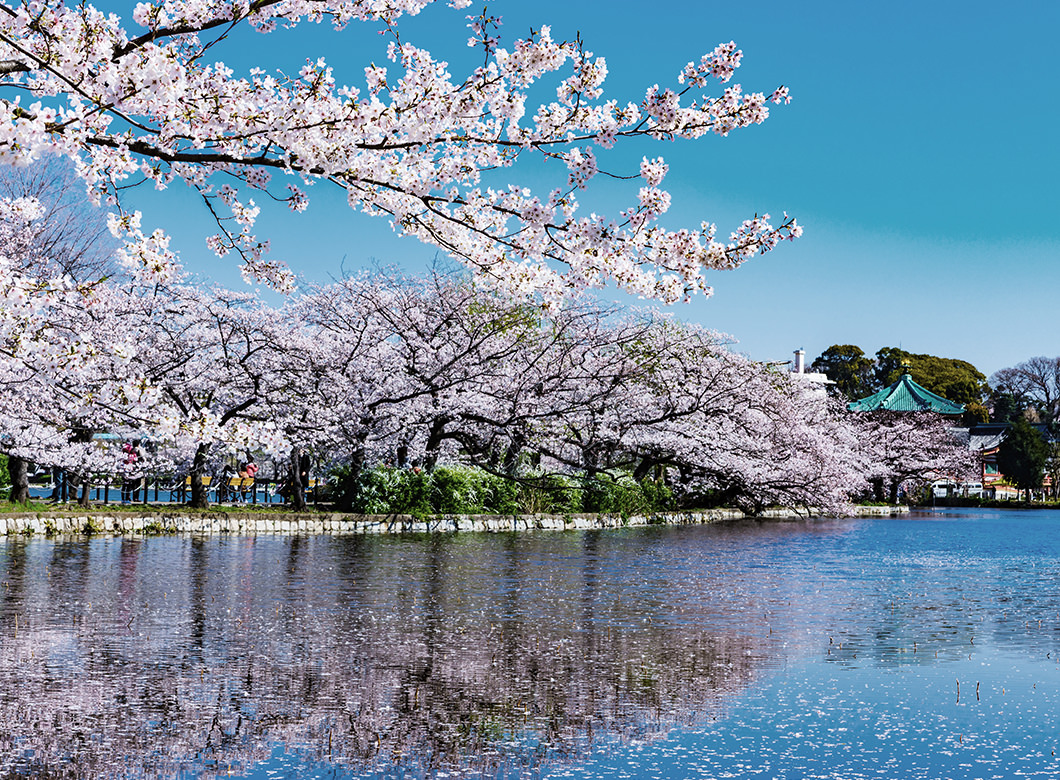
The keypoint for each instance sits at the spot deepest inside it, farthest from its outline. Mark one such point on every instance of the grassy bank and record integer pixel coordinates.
(73, 508)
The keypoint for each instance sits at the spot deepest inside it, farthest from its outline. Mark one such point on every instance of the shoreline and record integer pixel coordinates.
(72, 522)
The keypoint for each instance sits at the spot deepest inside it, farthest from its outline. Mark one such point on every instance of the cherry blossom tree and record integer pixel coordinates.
(734, 431)
(144, 99)
(188, 369)
(74, 237)
(211, 359)
(911, 449)
(62, 376)
(413, 370)
(402, 369)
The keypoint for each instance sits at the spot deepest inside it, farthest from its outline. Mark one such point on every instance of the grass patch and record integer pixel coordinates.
(10, 507)
(46, 507)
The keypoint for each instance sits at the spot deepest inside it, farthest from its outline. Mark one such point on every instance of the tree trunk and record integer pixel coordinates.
(348, 493)
(297, 481)
(200, 496)
(435, 436)
(19, 471)
(86, 486)
(511, 456)
(877, 489)
(893, 497)
(643, 469)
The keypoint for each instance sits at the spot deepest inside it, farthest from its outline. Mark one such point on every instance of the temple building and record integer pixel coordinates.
(905, 395)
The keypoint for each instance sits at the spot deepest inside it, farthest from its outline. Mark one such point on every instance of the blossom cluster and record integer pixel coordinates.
(384, 368)
(413, 144)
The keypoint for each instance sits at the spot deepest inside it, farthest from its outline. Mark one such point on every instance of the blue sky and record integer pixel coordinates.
(920, 152)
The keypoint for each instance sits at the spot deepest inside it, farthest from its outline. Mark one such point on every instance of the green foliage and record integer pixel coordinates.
(548, 494)
(858, 376)
(956, 380)
(624, 496)
(1006, 407)
(849, 368)
(92, 526)
(1022, 455)
(974, 413)
(460, 490)
(388, 490)
(5, 475)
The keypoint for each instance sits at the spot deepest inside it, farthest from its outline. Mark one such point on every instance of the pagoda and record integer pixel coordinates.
(905, 395)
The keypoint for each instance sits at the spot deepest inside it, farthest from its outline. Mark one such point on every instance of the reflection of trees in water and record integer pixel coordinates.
(497, 653)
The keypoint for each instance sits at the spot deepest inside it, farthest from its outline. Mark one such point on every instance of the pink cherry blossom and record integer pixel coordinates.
(146, 98)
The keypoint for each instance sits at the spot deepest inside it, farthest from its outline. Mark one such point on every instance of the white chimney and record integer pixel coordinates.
(800, 361)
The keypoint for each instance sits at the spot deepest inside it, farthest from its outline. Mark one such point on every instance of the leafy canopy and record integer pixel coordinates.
(957, 380)
(1022, 455)
(856, 375)
(849, 368)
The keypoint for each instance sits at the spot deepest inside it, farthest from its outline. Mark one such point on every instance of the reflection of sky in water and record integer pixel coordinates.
(806, 649)
(823, 721)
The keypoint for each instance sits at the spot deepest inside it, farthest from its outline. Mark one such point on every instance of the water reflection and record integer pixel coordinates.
(499, 656)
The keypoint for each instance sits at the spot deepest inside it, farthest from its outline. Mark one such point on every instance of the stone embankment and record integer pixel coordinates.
(120, 523)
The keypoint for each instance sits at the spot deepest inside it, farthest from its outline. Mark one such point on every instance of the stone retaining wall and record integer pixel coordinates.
(97, 522)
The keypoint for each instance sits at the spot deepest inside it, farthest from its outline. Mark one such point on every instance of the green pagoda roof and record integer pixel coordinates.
(905, 395)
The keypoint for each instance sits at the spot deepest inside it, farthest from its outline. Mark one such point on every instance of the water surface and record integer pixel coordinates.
(924, 646)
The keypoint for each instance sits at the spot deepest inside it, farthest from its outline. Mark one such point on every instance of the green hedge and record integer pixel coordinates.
(460, 490)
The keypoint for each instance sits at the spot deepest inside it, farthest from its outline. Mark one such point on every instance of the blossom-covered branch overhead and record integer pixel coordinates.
(145, 99)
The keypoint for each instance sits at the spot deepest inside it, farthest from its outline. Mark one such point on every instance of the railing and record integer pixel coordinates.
(155, 490)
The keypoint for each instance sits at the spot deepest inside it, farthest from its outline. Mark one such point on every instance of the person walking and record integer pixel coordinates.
(251, 478)
(130, 458)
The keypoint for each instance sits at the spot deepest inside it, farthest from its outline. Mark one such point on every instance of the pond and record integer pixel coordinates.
(925, 646)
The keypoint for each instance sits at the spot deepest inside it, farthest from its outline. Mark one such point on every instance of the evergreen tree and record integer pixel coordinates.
(957, 380)
(849, 368)
(1022, 456)
(1005, 407)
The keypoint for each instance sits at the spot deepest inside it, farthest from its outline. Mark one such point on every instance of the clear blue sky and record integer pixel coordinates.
(920, 151)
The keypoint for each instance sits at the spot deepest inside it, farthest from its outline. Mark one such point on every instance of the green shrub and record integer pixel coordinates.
(658, 497)
(466, 490)
(624, 496)
(550, 494)
(399, 491)
(383, 490)
(456, 490)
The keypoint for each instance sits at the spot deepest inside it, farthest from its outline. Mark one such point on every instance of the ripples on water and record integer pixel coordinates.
(924, 646)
